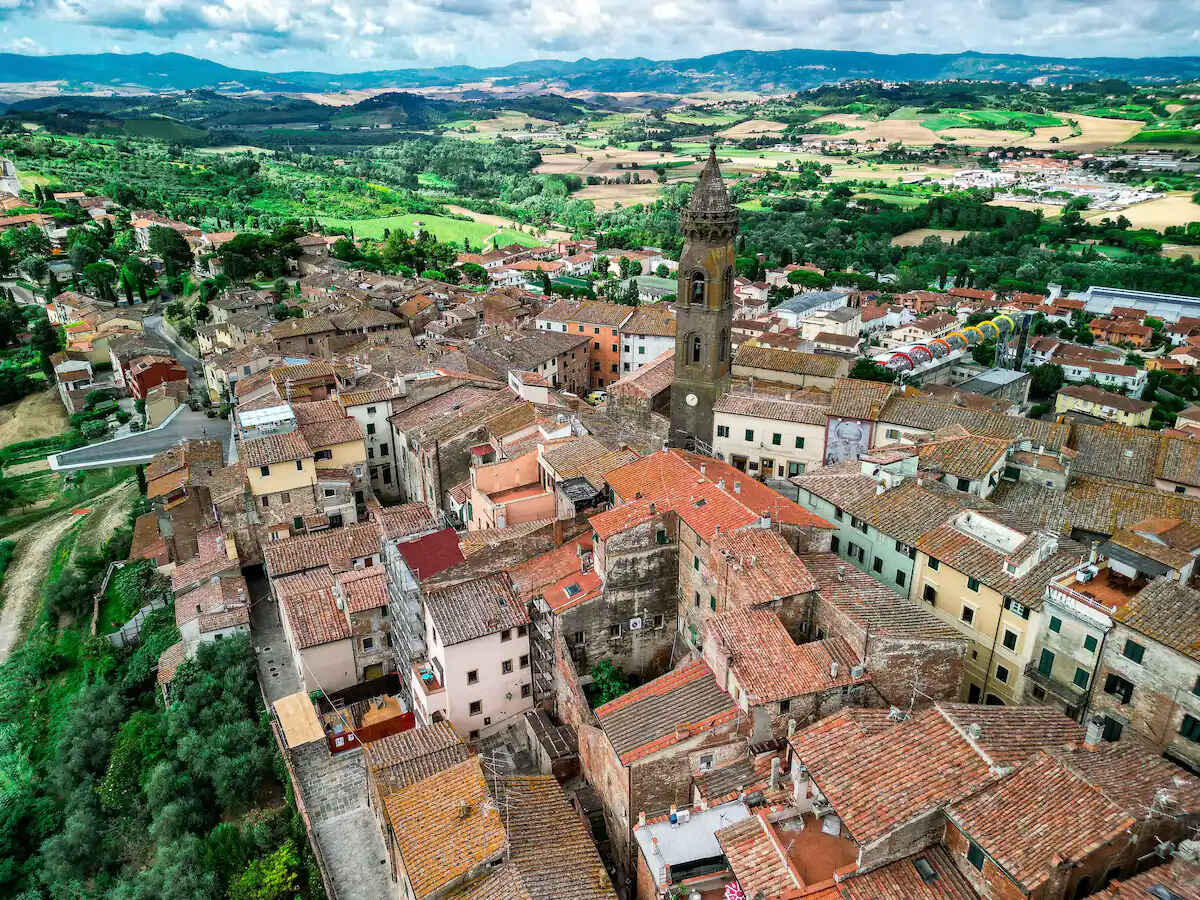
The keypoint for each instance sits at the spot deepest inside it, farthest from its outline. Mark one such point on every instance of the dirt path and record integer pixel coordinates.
(34, 551)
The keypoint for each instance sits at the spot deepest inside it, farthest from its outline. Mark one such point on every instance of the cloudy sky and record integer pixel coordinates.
(355, 35)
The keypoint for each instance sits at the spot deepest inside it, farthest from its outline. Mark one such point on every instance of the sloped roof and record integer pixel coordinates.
(644, 720)
(475, 608)
(273, 449)
(437, 842)
(792, 362)
(1169, 613)
(1073, 820)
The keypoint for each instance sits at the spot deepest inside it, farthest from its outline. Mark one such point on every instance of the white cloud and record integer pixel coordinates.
(329, 34)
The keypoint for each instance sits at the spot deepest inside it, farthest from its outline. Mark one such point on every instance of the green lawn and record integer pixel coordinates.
(443, 228)
(1110, 252)
(973, 118)
(905, 201)
(431, 180)
(754, 204)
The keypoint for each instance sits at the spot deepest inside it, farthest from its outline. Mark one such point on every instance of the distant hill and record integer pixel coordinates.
(780, 70)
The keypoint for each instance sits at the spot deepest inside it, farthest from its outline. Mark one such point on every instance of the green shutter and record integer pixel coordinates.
(1046, 663)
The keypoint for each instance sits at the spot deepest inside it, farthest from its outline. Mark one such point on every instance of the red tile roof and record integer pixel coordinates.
(434, 553)
(363, 589)
(1072, 818)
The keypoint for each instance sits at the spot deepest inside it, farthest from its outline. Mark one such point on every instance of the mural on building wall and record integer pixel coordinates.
(846, 439)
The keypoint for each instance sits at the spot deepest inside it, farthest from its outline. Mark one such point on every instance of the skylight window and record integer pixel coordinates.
(572, 589)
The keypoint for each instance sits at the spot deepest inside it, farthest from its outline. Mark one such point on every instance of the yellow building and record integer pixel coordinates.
(1112, 407)
(282, 476)
(987, 579)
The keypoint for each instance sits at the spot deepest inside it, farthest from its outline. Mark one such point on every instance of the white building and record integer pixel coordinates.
(769, 435)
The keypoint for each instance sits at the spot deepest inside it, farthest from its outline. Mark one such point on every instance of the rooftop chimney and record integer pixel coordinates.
(791, 728)
(652, 508)
(1094, 733)
(775, 773)
(833, 669)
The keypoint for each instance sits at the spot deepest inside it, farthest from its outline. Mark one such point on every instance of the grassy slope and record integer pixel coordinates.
(444, 229)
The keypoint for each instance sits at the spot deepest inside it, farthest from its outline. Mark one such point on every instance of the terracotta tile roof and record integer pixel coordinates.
(769, 407)
(1115, 451)
(1131, 774)
(169, 662)
(445, 826)
(756, 859)
(621, 518)
(148, 542)
(872, 606)
(218, 604)
(321, 370)
(653, 318)
(967, 554)
(650, 380)
(759, 566)
(180, 456)
(900, 880)
(302, 327)
(404, 520)
(1009, 735)
(401, 759)
(727, 781)
(880, 778)
(317, 411)
(475, 608)
(586, 457)
(1093, 504)
(513, 419)
(331, 432)
(274, 449)
(930, 415)
(769, 666)
(568, 865)
(1093, 394)
(314, 617)
(503, 883)
(599, 312)
(1073, 820)
(335, 548)
(473, 542)
(752, 493)
(649, 717)
(363, 589)
(852, 398)
(1169, 613)
(1178, 460)
(1151, 549)
(792, 362)
(1181, 876)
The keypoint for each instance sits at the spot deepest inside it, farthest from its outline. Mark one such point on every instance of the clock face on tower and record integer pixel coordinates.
(691, 399)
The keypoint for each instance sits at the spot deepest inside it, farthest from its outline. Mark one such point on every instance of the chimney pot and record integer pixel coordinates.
(833, 669)
(1094, 733)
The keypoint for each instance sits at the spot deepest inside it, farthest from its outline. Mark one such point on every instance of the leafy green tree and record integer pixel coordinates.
(102, 276)
(27, 241)
(869, 370)
(171, 247)
(272, 877)
(608, 683)
(1045, 380)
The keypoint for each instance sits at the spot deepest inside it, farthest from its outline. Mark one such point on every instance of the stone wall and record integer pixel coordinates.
(1161, 696)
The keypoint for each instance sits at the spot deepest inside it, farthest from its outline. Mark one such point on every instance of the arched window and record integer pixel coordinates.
(697, 295)
(727, 287)
(695, 348)
(724, 344)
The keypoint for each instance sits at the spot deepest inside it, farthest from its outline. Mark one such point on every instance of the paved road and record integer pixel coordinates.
(153, 325)
(136, 449)
(23, 294)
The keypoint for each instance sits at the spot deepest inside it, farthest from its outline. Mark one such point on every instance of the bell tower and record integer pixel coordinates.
(703, 307)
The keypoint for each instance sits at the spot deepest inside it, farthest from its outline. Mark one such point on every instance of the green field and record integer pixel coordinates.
(1110, 252)
(444, 229)
(1165, 136)
(755, 204)
(975, 118)
(1128, 111)
(904, 201)
(432, 180)
(161, 129)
